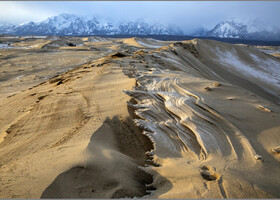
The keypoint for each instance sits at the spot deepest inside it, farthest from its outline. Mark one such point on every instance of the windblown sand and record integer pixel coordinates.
(115, 118)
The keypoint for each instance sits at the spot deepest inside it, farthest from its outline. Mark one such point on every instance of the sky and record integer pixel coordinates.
(189, 15)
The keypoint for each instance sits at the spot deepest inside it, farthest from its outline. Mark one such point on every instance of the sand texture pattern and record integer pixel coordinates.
(113, 118)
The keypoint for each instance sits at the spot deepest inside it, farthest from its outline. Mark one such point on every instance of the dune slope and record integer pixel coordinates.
(192, 119)
(215, 130)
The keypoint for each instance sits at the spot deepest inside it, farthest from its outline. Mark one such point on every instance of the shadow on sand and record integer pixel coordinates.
(115, 152)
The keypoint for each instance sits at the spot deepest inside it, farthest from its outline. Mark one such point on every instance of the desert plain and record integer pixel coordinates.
(93, 117)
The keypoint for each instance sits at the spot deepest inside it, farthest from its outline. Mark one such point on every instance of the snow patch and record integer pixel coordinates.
(149, 45)
(267, 71)
(5, 46)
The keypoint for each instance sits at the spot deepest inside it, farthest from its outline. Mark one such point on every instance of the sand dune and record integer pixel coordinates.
(139, 118)
(245, 62)
(145, 43)
(271, 50)
(196, 120)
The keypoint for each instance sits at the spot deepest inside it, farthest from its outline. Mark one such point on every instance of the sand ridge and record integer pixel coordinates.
(63, 115)
(150, 119)
(175, 107)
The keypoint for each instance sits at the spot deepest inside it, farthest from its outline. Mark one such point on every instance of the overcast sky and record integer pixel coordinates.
(189, 15)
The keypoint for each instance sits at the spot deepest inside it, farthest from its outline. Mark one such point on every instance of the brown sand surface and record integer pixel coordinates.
(115, 118)
(271, 50)
(28, 61)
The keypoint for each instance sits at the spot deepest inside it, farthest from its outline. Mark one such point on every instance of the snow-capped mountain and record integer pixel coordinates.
(67, 24)
(256, 30)
(7, 29)
(72, 25)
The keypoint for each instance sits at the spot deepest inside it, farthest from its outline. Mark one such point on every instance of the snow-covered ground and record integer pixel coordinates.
(267, 70)
(269, 51)
(5, 46)
(149, 45)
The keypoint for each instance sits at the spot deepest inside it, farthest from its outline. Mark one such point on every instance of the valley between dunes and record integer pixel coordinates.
(115, 118)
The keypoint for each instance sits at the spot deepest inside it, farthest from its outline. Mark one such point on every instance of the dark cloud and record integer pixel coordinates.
(189, 15)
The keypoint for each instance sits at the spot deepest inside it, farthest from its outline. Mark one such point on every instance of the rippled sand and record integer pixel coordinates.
(115, 118)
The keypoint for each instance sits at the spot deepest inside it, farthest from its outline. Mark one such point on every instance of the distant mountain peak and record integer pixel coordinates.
(243, 29)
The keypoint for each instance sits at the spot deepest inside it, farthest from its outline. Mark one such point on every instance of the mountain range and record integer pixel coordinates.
(68, 24)
(72, 25)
